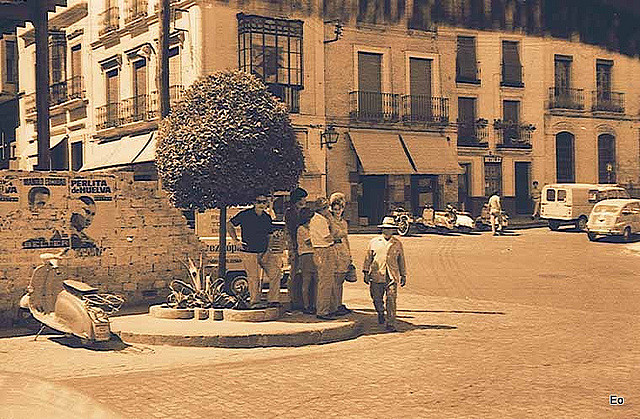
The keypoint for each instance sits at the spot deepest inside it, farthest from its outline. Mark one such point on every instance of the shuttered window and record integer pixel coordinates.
(369, 72)
(57, 57)
(11, 61)
(511, 66)
(466, 62)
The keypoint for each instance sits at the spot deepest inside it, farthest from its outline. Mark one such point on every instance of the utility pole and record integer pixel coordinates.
(163, 58)
(40, 21)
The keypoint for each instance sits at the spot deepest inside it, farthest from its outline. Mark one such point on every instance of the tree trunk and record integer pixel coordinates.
(222, 250)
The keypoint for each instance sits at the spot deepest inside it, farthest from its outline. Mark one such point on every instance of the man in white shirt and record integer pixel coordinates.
(384, 267)
(495, 208)
(324, 256)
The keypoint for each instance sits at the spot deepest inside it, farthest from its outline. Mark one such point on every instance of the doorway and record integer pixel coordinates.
(523, 195)
(424, 192)
(373, 203)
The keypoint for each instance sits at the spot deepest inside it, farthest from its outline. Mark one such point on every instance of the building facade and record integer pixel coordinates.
(435, 102)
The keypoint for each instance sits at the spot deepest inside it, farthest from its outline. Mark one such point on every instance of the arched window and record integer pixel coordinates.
(565, 166)
(606, 158)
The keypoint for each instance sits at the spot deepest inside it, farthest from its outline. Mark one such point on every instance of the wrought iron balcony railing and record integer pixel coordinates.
(513, 134)
(135, 10)
(109, 20)
(136, 108)
(374, 106)
(566, 98)
(425, 109)
(66, 90)
(512, 75)
(607, 101)
(472, 133)
(108, 116)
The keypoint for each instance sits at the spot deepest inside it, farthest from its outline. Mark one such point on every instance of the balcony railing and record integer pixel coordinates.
(374, 106)
(176, 92)
(136, 108)
(66, 90)
(135, 10)
(566, 98)
(512, 75)
(606, 101)
(472, 133)
(109, 20)
(513, 134)
(425, 109)
(287, 94)
(108, 116)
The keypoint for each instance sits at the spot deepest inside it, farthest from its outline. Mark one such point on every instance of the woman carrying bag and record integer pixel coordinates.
(345, 269)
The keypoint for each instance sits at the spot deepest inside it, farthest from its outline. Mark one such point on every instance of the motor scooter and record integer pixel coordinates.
(79, 310)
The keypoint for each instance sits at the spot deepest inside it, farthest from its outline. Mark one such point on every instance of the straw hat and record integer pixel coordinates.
(388, 222)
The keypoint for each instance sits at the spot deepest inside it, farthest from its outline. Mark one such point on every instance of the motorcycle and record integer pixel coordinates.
(483, 222)
(463, 220)
(79, 309)
(441, 221)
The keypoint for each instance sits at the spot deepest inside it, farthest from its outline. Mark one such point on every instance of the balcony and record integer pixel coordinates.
(109, 20)
(607, 101)
(374, 106)
(513, 134)
(108, 116)
(512, 75)
(425, 109)
(67, 90)
(472, 133)
(135, 10)
(565, 98)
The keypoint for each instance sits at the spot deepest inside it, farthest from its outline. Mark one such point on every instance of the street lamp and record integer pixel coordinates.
(329, 137)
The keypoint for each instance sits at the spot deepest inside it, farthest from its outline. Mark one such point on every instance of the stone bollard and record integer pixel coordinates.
(200, 313)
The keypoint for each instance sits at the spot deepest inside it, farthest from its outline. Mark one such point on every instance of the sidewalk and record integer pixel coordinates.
(518, 222)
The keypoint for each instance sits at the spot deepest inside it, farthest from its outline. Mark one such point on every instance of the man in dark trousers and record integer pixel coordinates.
(256, 226)
(292, 221)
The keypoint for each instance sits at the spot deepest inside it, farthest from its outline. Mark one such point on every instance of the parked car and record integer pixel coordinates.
(571, 203)
(614, 217)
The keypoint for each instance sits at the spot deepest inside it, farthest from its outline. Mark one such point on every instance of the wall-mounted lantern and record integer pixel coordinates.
(329, 137)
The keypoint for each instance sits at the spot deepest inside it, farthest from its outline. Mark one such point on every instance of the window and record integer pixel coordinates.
(551, 195)
(420, 88)
(112, 96)
(76, 83)
(562, 195)
(271, 49)
(466, 120)
(511, 66)
(492, 178)
(175, 74)
(562, 69)
(370, 97)
(59, 156)
(11, 61)
(606, 158)
(565, 157)
(511, 120)
(76, 155)
(603, 78)
(466, 63)
(139, 103)
(57, 67)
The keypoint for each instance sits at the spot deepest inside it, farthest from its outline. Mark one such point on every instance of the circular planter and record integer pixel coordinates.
(261, 315)
(164, 312)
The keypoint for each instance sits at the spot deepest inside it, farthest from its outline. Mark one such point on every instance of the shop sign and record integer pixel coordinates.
(493, 159)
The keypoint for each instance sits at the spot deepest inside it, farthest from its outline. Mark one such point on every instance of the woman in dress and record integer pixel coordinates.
(339, 231)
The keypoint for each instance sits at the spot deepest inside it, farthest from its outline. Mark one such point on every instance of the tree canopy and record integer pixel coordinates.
(227, 140)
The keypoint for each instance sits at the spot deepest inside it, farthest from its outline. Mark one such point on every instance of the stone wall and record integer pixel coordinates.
(124, 236)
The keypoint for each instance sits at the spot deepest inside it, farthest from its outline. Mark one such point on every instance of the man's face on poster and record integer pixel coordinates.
(83, 217)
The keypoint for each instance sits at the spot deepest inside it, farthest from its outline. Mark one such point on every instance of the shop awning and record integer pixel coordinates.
(432, 154)
(125, 151)
(380, 153)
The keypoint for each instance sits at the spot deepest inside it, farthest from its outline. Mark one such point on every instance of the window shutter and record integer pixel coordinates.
(466, 58)
(369, 72)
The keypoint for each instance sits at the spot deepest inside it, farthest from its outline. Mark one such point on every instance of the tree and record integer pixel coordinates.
(224, 142)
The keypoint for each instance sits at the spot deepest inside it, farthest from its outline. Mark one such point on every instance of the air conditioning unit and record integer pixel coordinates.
(8, 66)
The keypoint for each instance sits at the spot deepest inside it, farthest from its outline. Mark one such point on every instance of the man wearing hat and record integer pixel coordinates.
(384, 267)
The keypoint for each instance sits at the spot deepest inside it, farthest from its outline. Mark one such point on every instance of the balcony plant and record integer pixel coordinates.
(227, 139)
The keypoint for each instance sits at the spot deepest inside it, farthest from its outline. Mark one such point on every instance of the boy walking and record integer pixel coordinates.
(384, 267)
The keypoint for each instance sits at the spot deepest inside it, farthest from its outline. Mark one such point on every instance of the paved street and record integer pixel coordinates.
(534, 324)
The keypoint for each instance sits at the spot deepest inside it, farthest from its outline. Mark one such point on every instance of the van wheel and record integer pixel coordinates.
(592, 236)
(626, 235)
(554, 225)
(581, 224)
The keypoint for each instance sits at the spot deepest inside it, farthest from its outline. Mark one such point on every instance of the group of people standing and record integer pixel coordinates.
(320, 257)
(319, 254)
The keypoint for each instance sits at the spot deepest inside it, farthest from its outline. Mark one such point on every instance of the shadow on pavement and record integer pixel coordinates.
(617, 239)
(441, 311)
(113, 345)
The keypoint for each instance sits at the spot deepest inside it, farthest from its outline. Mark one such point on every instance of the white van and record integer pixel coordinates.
(571, 203)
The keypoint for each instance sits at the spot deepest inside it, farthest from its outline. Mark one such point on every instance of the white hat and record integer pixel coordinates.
(388, 222)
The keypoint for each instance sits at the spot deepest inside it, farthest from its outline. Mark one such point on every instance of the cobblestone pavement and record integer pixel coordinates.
(469, 346)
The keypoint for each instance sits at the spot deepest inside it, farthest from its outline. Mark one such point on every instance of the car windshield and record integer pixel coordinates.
(599, 209)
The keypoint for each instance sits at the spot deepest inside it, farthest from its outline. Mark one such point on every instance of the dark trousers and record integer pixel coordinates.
(378, 291)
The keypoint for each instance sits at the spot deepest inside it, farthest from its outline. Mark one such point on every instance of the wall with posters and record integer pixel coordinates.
(123, 236)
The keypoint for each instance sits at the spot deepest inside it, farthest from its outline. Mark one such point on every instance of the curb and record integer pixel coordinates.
(344, 331)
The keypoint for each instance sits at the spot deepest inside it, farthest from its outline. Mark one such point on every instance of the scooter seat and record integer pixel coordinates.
(78, 287)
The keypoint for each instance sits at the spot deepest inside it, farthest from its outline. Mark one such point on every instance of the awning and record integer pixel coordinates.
(125, 151)
(380, 153)
(432, 154)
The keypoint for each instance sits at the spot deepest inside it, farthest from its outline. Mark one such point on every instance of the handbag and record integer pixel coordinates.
(351, 276)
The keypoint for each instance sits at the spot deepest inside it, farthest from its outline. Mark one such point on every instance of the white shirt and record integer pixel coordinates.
(319, 231)
(494, 203)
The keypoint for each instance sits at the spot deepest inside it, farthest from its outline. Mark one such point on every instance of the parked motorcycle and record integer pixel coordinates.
(441, 221)
(483, 222)
(463, 220)
(79, 309)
